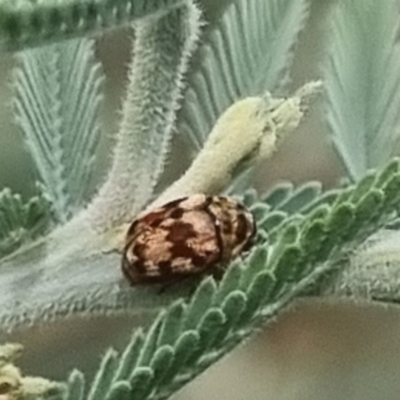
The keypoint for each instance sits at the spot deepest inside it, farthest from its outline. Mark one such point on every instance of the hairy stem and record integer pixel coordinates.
(162, 49)
(27, 23)
(374, 272)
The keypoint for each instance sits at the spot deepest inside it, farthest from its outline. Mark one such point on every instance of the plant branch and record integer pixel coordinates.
(373, 273)
(27, 23)
(161, 52)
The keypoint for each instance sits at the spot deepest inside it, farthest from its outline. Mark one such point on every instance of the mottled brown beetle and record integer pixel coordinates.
(194, 235)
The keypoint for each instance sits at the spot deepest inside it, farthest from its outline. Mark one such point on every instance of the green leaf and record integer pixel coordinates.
(104, 377)
(289, 267)
(345, 195)
(130, 357)
(141, 382)
(369, 207)
(201, 301)
(325, 199)
(339, 222)
(284, 235)
(172, 324)
(257, 261)
(233, 307)
(248, 52)
(363, 83)
(388, 172)
(76, 385)
(187, 344)
(209, 329)
(21, 222)
(319, 212)
(289, 233)
(257, 292)
(301, 197)
(260, 210)
(250, 197)
(160, 363)
(31, 23)
(392, 192)
(278, 194)
(185, 348)
(230, 282)
(364, 186)
(313, 241)
(272, 220)
(287, 228)
(120, 391)
(57, 100)
(150, 344)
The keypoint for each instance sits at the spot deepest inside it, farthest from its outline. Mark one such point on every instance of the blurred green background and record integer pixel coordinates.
(313, 351)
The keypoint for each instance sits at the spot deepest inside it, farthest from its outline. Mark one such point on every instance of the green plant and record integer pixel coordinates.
(307, 240)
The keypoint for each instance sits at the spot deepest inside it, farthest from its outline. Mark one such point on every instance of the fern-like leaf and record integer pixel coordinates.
(221, 315)
(363, 83)
(57, 101)
(21, 222)
(248, 52)
(26, 23)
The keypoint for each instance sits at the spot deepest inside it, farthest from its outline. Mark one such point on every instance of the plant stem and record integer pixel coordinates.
(161, 52)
